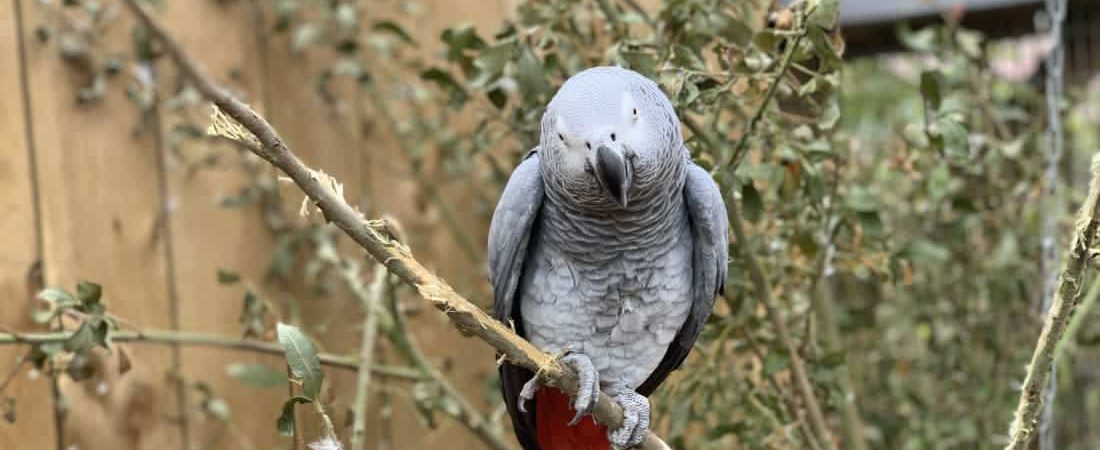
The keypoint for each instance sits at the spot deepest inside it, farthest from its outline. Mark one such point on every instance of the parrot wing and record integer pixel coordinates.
(709, 225)
(510, 231)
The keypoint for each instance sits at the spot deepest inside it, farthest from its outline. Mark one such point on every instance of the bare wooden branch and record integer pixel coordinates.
(366, 357)
(1062, 307)
(371, 235)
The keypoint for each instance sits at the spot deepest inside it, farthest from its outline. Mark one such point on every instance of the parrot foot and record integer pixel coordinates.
(587, 395)
(635, 420)
(589, 391)
(528, 393)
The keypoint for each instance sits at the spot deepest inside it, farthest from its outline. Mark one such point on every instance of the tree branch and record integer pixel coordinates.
(1062, 308)
(803, 386)
(166, 337)
(366, 355)
(738, 153)
(389, 320)
(371, 235)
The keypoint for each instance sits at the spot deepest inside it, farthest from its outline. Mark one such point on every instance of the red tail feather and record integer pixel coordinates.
(553, 410)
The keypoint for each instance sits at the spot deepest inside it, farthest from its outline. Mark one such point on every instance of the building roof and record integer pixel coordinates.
(857, 12)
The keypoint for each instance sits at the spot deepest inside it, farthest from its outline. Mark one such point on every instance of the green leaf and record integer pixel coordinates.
(285, 423)
(256, 375)
(498, 98)
(871, 223)
(685, 58)
(930, 88)
(826, 13)
(56, 296)
(304, 36)
(87, 292)
(391, 27)
(7, 409)
(925, 250)
(775, 362)
(89, 295)
(39, 354)
(447, 83)
(923, 40)
(531, 76)
(956, 139)
(302, 358)
(90, 334)
(751, 202)
(228, 276)
(491, 62)
(861, 199)
(731, 29)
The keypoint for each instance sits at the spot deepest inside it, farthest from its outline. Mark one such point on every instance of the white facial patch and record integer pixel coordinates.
(574, 153)
(632, 132)
(629, 108)
(562, 130)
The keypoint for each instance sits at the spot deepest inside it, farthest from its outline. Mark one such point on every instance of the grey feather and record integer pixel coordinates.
(510, 232)
(574, 268)
(710, 235)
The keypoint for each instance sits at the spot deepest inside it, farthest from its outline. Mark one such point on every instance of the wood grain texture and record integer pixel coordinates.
(101, 220)
(207, 236)
(19, 250)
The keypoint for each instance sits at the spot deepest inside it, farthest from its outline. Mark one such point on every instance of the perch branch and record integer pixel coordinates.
(803, 386)
(166, 337)
(372, 236)
(1065, 300)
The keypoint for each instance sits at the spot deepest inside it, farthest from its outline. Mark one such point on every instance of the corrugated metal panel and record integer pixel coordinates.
(855, 12)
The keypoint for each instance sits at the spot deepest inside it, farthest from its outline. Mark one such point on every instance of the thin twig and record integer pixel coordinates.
(734, 159)
(1062, 308)
(13, 372)
(1051, 205)
(391, 322)
(168, 337)
(788, 401)
(372, 236)
(366, 355)
(466, 414)
(760, 283)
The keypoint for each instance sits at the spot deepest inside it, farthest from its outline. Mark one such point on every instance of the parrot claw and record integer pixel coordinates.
(589, 391)
(528, 393)
(635, 420)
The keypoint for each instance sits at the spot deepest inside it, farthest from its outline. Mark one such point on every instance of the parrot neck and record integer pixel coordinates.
(645, 225)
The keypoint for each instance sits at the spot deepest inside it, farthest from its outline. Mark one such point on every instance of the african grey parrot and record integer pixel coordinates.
(608, 246)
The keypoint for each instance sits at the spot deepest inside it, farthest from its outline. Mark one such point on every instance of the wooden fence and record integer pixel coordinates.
(100, 191)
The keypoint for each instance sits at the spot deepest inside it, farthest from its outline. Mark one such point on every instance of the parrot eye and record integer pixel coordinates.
(612, 137)
(587, 145)
(561, 137)
(635, 111)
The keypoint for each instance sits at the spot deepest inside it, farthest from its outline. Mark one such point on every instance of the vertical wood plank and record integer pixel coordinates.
(19, 250)
(392, 191)
(101, 220)
(208, 236)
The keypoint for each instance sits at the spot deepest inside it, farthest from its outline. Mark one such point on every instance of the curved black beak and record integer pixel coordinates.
(613, 172)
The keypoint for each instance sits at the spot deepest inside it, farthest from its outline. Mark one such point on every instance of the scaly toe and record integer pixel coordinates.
(589, 389)
(528, 393)
(635, 420)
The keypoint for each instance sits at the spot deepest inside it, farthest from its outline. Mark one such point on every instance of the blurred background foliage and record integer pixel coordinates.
(894, 203)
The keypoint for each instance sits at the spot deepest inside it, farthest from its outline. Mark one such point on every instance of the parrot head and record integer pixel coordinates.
(607, 135)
